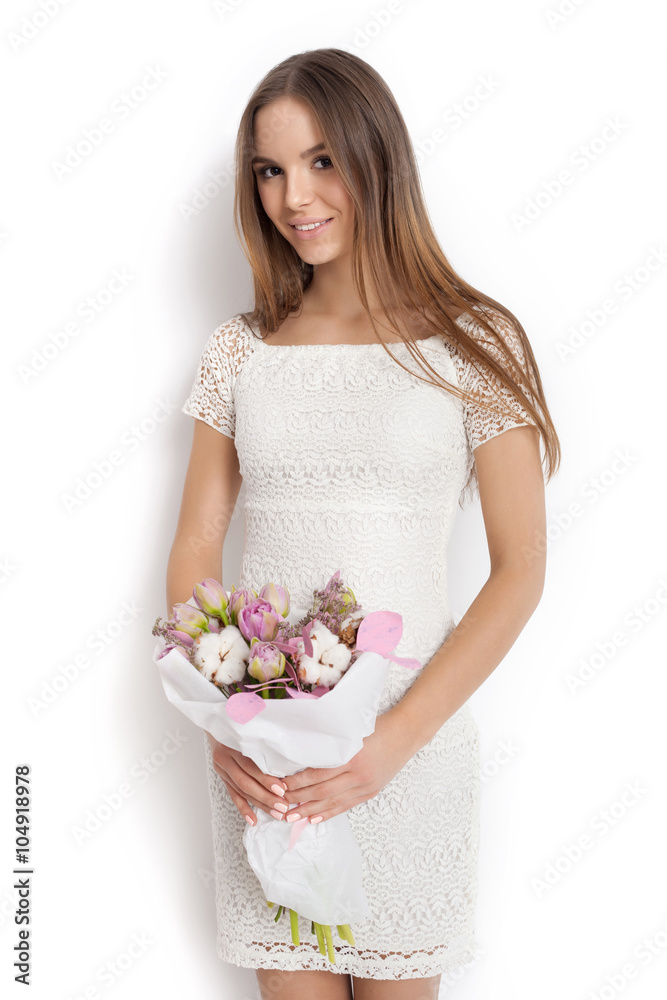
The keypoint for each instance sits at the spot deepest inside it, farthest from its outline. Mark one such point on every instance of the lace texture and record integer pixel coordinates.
(349, 462)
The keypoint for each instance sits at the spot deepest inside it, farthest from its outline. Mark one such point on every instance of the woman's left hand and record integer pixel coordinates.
(328, 791)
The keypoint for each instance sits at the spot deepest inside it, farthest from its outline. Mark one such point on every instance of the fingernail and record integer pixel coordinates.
(278, 789)
(316, 819)
(292, 817)
(276, 814)
(248, 820)
(282, 806)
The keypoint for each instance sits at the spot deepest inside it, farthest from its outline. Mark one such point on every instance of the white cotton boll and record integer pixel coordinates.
(337, 657)
(325, 638)
(222, 656)
(330, 657)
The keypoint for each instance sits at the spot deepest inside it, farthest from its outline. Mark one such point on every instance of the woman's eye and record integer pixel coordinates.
(262, 172)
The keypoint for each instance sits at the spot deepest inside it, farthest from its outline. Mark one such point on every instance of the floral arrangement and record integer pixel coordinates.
(253, 669)
(244, 636)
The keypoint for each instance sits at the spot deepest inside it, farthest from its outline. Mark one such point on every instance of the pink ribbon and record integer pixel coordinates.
(297, 829)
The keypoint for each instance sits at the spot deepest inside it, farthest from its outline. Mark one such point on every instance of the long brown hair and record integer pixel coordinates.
(394, 244)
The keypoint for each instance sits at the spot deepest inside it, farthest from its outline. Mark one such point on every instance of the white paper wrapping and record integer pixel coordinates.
(313, 869)
(320, 877)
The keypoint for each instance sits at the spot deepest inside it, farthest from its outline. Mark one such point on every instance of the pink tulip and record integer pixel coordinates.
(258, 620)
(277, 596)
(266, 662)
(191, 620)
(239, 599)
(211, 597)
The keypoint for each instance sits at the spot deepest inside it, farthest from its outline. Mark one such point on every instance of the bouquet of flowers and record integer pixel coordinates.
(290, 689)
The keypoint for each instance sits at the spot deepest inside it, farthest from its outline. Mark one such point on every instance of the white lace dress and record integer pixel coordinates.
(351, 463)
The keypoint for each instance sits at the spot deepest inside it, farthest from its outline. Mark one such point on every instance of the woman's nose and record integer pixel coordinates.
(298, 190)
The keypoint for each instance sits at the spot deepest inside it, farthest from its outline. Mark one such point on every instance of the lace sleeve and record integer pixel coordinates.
(483, 424)
(211, 398)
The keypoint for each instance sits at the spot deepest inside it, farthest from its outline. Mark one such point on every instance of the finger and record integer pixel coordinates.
(276, 807)
(311, 776)
(256, 792)
(243, 804)
(291, 780)
(275, 786)
(317, 812)
(335, 796)
(246, 776)
(335, 780)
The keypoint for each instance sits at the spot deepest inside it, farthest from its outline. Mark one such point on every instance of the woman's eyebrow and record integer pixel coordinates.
(307, 152)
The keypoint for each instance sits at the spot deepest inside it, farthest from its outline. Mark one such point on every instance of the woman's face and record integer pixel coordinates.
(298, 183)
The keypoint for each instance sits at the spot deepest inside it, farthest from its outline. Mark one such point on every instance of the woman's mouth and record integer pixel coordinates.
(312, 230)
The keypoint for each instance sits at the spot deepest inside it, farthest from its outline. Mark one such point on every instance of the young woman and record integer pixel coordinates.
(365, 395)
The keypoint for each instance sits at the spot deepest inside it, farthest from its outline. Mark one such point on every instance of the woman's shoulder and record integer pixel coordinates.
(234, 334)
(499, 323)
(231, 342)
(226, 350)
(504, 334)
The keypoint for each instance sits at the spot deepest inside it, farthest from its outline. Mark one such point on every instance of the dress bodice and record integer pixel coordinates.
(350, 463)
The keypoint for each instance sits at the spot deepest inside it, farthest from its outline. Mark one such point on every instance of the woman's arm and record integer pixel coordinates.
(511, 490)
(212, 484)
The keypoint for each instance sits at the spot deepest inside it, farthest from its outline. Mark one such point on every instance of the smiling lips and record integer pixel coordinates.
(313, 227)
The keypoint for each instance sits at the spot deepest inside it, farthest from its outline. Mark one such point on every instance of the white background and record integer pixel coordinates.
(69, 570)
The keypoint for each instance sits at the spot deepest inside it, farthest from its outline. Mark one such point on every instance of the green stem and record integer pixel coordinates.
(294, 924)
(329, 941)
(320, 938)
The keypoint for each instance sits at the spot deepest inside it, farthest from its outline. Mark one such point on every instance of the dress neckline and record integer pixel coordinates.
(260, 340)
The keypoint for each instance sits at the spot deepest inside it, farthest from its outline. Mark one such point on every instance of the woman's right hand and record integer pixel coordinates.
(246, 784)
